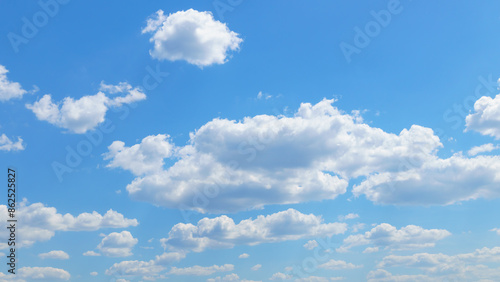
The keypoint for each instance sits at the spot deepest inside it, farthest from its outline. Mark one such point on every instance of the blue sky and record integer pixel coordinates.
(252, 140)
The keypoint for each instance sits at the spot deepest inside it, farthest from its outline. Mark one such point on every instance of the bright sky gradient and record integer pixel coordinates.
(233, 140)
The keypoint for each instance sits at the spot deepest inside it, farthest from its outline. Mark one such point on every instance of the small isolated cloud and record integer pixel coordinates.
(8, 145)
(94, 273)
(279, 276)
(497, 230)
(486, 117)
(54, 255)
(117, 244)
(192, 36)
(348, 216)
(244, 256)
(256, 267)
(387, 236)
(482, 149)
(91, 254)
(371, 250)
(338, 264)
(86, 113)
(262, 95)
(311, 244)
(223, 232)
(8, 89)
(201, 270)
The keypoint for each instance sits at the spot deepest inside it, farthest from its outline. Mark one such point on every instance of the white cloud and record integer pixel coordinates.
(381, 275)
(94, 273)
(135, 268)
(486, 117)
(279, 276)
(387, 236)
(230, 277)
(311, 244)
(145, 268)
(482, 149)
(86, 113)
(256, 267)
(54, 255)
(348, 216)
(192, 36)
(8, 89)
(318, 279)
(146, 157)
(91, 254)
(338, 264)
(227, 278)
(497, 230)
(222, 232)
(39, 223)
(244, 256)
(370, 250)
(122, 280)
(201, 270)
(436, 182)
(8, 145)
(441, 267)
(117, 244)
(358, 226)
(46, 273)
(230, 166)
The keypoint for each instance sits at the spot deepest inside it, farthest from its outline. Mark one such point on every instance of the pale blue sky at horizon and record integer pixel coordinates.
(234, 140)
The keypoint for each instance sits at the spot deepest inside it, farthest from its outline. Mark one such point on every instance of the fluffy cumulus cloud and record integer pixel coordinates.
(149, 269)
(230, 166)
(8, 145)
(146, 157)
(338, 264)
(441, 267)
(311, 244)
(86, 113)
(223, 232)
(39, 223)
(9, 89)
(117, 244)
(244, 256)
(486, 117)
(387, 236)
(279, 276)
(54, 255)
(192, 36)
(37, 273)
(437, 182)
